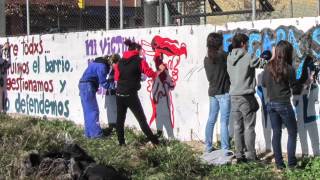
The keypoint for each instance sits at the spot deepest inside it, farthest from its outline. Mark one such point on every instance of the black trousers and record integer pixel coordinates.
(133, 103)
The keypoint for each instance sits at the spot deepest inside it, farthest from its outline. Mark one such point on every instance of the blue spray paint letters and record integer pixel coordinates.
(254, 39)
(316, 39)
(308, 42)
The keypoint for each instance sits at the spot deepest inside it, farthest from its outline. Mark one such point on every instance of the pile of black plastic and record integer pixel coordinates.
(71, 163)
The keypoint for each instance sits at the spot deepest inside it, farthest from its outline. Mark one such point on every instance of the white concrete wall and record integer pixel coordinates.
(189, 101)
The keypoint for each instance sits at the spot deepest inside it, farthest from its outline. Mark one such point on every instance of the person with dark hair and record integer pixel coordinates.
(215, 64)
(5, 63)
(280, 81)
(241, 68)
(305, 71)
(94, 75)
(128, 75)
(266, 55)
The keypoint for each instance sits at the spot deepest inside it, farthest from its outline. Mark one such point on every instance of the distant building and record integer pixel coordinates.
(65, 15)
(48, 16)
(300, 8)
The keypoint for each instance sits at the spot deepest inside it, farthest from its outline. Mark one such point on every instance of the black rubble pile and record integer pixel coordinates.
(72, 163)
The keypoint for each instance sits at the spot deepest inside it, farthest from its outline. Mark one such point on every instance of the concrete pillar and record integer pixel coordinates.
(2, 18)
(121, 14)
(167, 17)
(150, 13)
(253, 10)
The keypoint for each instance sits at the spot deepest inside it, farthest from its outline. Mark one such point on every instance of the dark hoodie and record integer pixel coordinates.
(241, 69)
(217, 74)
(281, 91)
(127, 72)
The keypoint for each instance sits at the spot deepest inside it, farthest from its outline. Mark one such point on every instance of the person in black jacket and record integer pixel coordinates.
(5, 63)
(215, 64)
(280, 81)
(128, 76)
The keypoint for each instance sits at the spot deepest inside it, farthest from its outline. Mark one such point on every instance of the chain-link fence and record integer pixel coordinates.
(271, 9)
(68, 16)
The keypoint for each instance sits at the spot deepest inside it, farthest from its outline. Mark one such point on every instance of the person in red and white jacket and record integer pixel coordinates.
(128, 77)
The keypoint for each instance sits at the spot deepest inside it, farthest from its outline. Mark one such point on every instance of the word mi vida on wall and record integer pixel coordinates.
(25, 77)
(105, 46)
(303, 42)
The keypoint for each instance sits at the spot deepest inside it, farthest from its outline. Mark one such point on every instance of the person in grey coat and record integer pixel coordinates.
(241, 69)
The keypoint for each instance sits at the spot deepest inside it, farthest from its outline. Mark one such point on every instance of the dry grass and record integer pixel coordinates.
(138, 160)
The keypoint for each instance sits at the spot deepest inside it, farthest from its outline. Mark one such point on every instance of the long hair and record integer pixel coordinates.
(214, 43)
(279, 66)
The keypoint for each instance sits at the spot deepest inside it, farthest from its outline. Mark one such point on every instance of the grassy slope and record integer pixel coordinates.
(173, 160)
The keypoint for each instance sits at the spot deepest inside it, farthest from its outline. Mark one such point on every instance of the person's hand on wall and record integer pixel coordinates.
(162, 67)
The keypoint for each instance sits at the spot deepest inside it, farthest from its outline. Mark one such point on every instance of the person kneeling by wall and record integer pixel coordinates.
(94, 75)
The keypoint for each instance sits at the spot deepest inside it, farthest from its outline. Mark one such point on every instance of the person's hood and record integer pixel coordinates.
(100, 60)
(236, 55)
(128, 54)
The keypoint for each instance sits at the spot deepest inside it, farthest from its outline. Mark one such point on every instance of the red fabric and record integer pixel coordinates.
(145, 69)
(128, 54)
(168, 46)
(116, 72)
(154, 110)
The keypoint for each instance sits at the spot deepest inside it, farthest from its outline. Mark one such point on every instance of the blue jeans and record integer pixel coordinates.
(222, 103)
(90, 110)
(282, 113)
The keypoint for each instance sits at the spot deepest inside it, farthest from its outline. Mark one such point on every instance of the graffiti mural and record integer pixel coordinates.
(34, 93)
(303, 42)
(45, 71)
(169, 52)
(306, 105)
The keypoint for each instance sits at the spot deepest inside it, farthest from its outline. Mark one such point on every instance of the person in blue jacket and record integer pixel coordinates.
(93, 76)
